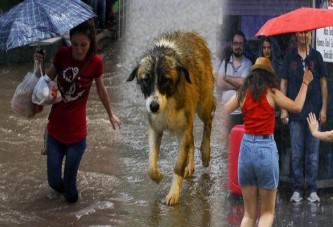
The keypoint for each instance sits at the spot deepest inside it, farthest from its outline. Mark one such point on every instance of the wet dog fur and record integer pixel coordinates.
(176, 79)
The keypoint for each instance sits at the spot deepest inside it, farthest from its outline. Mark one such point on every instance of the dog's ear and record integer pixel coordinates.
(133, 74)
(183, 70)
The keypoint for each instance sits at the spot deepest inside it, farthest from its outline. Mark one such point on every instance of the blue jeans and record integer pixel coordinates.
(304, 147)
(258, 162)
(56, 151)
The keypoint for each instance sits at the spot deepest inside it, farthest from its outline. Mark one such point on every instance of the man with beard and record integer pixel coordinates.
(231, 76)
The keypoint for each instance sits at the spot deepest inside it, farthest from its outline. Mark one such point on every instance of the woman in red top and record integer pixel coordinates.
(258, 169)
(75, 68)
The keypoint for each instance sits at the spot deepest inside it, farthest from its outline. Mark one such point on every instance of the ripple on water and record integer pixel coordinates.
(97, 181)
(138, 146)
(17, 217)
(131, 179)
(134, 164)
(124, 197)
(141, 203)
(101, 205)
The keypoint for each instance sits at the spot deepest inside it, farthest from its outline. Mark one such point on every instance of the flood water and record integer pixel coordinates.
(114, 186)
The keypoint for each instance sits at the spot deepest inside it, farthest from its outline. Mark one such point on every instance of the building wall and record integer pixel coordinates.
(262, 7)
(252, 14)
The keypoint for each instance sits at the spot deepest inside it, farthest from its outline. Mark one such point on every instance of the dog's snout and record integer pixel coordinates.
(154, 106)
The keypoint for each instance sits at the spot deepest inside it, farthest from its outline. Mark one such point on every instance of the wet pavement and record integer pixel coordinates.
(114, 186)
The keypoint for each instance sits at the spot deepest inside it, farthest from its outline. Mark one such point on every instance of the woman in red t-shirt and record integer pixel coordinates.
(75, 68)
(258, 167)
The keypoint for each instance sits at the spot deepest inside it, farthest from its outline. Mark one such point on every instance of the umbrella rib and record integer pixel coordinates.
(54, 27)
(35, 20)
(302, 19)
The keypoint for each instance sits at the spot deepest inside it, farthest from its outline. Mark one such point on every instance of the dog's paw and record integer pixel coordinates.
(172, 199)
(188, 172)
(205, 156)
(205, 161)
(155, 175)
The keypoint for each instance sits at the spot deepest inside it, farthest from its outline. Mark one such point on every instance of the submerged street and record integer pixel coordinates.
(114, 186)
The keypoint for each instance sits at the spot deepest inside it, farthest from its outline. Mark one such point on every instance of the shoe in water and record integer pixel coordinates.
(296, 197)
(313, 198)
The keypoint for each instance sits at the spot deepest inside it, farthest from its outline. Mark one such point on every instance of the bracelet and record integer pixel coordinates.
(305, 83)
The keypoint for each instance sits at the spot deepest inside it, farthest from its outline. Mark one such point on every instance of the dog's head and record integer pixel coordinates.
(159, 75)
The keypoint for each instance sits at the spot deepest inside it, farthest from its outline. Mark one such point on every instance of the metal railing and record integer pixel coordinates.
(123, 8)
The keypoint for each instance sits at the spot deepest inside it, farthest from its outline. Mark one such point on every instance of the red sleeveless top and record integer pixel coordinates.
(259, 116)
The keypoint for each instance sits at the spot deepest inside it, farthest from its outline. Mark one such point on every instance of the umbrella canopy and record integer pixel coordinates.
(35, 20)
(302, 19)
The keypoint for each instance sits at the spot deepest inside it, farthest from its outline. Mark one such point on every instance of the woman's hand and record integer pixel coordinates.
(313, 123)
(115, 121)
(39, 56)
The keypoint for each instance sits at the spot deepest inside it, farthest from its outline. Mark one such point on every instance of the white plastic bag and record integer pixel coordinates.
(46, 92)
(21, 102)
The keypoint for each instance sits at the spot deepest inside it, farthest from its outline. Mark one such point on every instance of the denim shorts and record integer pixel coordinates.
(258, 162)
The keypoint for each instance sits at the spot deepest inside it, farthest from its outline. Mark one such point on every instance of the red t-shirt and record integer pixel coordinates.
(259, 116)
(67, 120)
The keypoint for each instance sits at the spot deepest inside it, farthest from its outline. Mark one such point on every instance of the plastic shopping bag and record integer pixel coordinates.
(46, 92)
(21, 102)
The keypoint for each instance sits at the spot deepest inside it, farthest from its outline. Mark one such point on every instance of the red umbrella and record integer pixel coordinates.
(302, 19)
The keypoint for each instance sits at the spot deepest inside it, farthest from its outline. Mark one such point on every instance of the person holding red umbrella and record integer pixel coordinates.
(303, 145)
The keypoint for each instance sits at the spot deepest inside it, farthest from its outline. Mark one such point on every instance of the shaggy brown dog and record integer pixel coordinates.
(176, 79)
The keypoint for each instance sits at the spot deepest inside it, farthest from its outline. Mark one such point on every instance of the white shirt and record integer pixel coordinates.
(243, 70)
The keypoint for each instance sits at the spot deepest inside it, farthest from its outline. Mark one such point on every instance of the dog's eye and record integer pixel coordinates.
(164, 80)
(145, 80)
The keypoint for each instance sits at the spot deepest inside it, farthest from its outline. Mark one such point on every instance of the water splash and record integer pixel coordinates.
(102, 205)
